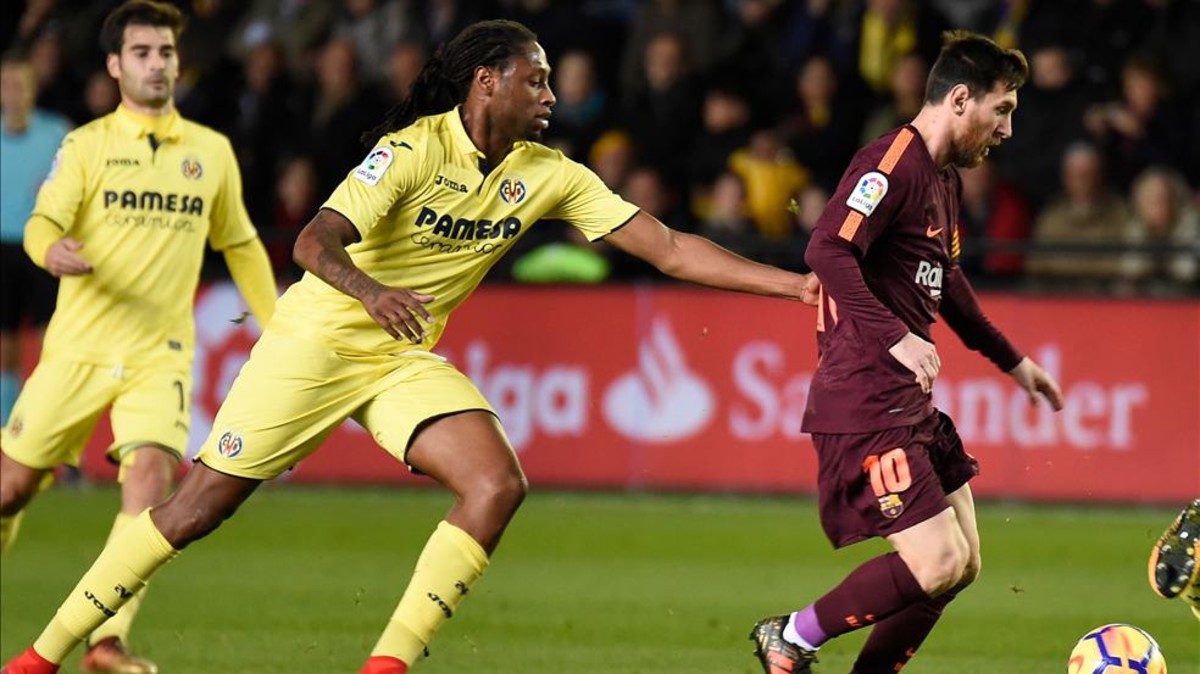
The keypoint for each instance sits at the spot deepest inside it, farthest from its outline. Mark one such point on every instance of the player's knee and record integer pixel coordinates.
(942, 570)
(504, 492)
(183, 525)
(971, 571)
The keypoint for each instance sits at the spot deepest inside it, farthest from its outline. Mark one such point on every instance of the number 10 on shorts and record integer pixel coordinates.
(889, 476)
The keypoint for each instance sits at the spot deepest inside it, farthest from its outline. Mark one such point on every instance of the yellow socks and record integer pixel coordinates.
(119, 625)
(448, 566)
(8, 530)
(122, 569)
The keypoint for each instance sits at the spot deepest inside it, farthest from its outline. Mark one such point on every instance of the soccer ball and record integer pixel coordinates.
(1117, 649)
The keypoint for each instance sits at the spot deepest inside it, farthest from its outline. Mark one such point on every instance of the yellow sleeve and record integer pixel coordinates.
(40, 234)
(588, 204)
(62, 192)
(251, 271)
(230, 223)
(391, 170)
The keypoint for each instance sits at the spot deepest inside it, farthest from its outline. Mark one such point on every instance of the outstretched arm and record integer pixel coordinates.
(321, 250)
(696, 259)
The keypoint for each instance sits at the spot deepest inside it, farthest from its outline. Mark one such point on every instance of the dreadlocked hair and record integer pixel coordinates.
(446, 78)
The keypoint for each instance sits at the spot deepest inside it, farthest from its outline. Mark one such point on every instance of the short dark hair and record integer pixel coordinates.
(139, 13)
(446, 77)
(976, 61)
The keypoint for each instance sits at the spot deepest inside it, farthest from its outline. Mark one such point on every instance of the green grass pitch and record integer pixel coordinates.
(302, 580)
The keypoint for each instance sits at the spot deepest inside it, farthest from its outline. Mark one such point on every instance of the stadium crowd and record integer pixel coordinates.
(732, 118)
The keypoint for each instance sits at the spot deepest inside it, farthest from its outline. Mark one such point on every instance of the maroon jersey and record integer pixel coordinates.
(886, 252)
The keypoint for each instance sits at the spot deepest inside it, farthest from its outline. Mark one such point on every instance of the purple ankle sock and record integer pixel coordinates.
(806, 625)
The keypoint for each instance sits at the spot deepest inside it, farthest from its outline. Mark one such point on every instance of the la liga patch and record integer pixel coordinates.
(868, 192)
(371, 170)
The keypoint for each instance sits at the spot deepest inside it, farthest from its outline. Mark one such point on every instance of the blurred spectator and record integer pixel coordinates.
(752, 54)
(980, 16)
(992, 212)
(1086, 213)
(297, 26)
(403, 66)
(33, 19)
(1142, 128)
(340, 111)
(440, 20)
(663, 113)
(907, 89)
(100, 95)
(1100, 34)
(208, 77)
(809, 207)
(726, 219)
(807, 31)
(1163, 214)
(726, 127)
(57, 88)
(889, 29)
(581, 113)
(296, 202)
(1049, 117)
(557, 25)
(29, 138)
(374, 27)
(646, 188)
(613, 157)
(822, 129)
(263, 125)
(695, 23)
(772, 178)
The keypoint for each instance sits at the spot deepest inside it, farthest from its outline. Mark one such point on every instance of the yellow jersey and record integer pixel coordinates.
(432, 219)
(143, 195)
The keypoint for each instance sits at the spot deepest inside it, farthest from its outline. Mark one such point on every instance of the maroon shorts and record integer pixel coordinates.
(881, 483)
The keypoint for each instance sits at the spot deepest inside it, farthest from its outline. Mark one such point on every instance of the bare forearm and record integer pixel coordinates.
(321, 251)
(698, 260)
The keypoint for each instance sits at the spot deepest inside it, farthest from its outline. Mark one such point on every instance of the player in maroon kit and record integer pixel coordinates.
(886, 252)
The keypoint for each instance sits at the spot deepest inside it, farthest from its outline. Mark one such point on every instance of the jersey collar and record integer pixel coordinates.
(139, 126)
(462, 142)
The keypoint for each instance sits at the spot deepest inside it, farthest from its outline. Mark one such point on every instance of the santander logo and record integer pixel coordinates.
(662, 400)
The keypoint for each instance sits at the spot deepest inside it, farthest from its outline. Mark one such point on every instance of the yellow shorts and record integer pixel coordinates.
(61, 402)
(293, 393)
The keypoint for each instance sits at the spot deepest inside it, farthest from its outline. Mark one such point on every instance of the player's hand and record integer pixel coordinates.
(63, 258)
(810, 292)
(920, 357)
(1031, 377)
(399, 311)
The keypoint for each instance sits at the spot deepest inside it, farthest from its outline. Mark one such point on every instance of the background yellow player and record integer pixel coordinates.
(452, 183)
(1175, 559)
(123, 219)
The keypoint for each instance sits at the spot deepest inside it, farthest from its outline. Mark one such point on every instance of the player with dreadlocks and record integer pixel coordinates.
(455, 176)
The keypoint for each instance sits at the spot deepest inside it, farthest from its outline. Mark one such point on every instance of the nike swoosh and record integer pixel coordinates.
(931, 232)
(403, 144)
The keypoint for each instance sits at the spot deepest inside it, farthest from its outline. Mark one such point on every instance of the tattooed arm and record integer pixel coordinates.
(321, 250)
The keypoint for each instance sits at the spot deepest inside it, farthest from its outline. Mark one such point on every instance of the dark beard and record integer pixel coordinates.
(966, 159)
